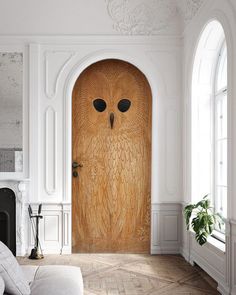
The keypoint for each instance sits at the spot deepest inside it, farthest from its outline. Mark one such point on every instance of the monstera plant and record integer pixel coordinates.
(202, 219)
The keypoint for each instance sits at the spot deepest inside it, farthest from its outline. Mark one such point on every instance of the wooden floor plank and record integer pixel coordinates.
(134, 274)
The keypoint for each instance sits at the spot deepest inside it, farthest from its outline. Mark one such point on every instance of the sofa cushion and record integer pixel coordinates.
(29, 272)
(10, 271)
(57, 279)
(2, 286)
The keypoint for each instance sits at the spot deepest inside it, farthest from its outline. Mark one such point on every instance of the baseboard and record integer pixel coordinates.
(66, 251)
(224, 290)
(165, 250)
(185, 253)
(46, 251)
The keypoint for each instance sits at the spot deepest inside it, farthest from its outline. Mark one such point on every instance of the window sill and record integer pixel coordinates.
(211, 241)
(219, 236)
(216, 243)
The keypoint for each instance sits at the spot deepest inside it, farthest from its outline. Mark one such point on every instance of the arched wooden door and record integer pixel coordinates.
(112, 157)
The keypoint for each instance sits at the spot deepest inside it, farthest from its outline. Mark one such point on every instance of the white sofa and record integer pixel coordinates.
(54, 279)
(37, 280)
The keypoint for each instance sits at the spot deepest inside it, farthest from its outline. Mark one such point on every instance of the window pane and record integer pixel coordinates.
(221, 117)
(221, 80)
(220, 229)
(221, 201)
(221, 162)
(224, 116)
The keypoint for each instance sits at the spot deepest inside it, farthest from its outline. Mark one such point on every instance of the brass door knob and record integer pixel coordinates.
(76, 165)
(75, 174)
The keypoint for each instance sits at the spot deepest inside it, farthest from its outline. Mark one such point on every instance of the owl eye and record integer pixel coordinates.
(99, 104)
(124, 105)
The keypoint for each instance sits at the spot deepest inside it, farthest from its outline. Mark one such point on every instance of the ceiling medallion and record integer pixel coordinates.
(139, 17)
(188, 8)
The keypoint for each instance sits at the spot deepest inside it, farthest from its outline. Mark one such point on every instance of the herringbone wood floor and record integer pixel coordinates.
(133, 274)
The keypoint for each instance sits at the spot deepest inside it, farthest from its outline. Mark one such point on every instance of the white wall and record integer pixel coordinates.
(60, 39)
(55, 68)
(88, 17)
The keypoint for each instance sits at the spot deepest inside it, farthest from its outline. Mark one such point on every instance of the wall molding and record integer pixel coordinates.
(166, 228)
(171, 124)
(50, 150)
(50, 229)
(50, 122)
(165, 216)
(55, 63)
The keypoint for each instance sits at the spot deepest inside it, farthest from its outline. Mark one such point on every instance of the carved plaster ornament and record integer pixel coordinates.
(188, 8)
(139, 17)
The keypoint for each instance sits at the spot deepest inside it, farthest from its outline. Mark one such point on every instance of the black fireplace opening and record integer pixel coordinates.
(8, 218)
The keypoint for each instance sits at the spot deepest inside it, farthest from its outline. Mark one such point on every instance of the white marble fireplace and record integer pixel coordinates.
(20, 189)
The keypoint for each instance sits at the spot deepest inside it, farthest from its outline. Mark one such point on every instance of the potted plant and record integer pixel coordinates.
(202, 219)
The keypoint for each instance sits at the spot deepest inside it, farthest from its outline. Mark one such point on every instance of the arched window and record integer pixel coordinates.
(220, 132)
(209, 118)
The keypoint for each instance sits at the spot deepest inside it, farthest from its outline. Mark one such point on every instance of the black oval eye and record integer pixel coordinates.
(124, 105)
(99, 104)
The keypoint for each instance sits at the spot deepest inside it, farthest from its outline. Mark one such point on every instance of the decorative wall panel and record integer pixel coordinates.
(55, 62)
(66, 233)
(167, 60)
(170, 224)
(50, 229)
(66, 239)
(50, 151)
(166, 218)
(54, 71)
(172, 162)
(155, 232)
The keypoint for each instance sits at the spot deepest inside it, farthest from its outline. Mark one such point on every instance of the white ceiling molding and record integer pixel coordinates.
(139, 17)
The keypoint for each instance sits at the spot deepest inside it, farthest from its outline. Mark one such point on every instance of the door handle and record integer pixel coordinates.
(75, 174)
(76, 165)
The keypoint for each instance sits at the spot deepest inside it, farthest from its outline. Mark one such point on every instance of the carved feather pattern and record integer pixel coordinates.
(111, 197)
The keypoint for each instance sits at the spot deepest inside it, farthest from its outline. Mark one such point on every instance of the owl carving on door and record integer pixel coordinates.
(111, 111)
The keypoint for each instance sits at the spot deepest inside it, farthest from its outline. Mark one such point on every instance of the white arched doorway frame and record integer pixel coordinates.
(157, 89)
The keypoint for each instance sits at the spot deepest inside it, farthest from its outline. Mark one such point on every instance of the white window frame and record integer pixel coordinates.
(219, 95)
